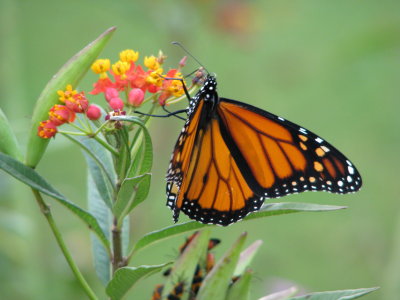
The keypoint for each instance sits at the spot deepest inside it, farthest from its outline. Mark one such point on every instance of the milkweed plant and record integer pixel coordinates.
(117, 146)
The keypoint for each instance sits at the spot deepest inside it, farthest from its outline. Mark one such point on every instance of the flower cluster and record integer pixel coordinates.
(124, 85)
(72, 103)
(132, 79)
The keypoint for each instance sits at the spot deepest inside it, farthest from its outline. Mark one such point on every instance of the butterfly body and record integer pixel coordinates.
(231, 156)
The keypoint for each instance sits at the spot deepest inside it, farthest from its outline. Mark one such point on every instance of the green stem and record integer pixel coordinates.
(72, 133)
(79, 128)
(118, 260)
(45, 209)
(106, 145)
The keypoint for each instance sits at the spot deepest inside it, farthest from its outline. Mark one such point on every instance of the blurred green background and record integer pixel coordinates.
(331, 66)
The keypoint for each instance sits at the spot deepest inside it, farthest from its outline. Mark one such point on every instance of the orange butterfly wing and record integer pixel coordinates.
(281, 157)
(204, 180)
(230, 156)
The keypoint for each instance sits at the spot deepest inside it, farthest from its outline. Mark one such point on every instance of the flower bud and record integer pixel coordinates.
(182, 62)
(116, 103)
(111, 93)
(93, 112)
(136, 97)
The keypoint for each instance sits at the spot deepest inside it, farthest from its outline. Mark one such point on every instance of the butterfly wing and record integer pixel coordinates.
(230, 156)
(279, 157)
(210, 187)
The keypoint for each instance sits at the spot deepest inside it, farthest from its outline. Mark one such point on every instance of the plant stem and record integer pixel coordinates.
(106, 145)
(45, 209)
(118, 260)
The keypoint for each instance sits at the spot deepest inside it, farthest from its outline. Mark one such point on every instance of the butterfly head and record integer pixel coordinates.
(208, 92)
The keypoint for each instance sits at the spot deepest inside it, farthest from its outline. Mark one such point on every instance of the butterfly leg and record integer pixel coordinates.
(179, 111)
(183, 85)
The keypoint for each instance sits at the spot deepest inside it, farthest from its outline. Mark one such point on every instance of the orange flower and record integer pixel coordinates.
(120, 68)
(60, 114)
(101, 66)
(129, 55)
(151, 62)
(171, 87)
(67, 94)
(78, 103)
(47, 129)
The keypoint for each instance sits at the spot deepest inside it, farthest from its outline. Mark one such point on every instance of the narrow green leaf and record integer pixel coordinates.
(336, 295)
(30, 177)
(281, 295)
(165, 233)
(147, 161)
(8, 142)
(275, 209)
(240, 289)
(142, 191)
(129, 191)
(101, 212)
(216, 283)
(71, 73)
(124, 278)
(98, 154)
(134, 192)
(185, 266)
(268, 210)
(246, 257)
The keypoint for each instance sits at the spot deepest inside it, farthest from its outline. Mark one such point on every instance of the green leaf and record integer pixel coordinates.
(101, 212)
(98, 154)
(8, 142)
(281, 295)
(275, 209)
(246, 257)
(71, 73)
(30, 177)
(132, 191)
(135, 188)
(165, 233)
(216, 283)
(185, 266)
(240, 289)
(124, 278)
(336, 295)
(270, 209)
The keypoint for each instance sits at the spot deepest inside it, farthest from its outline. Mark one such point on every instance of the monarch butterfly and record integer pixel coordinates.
(230, 156)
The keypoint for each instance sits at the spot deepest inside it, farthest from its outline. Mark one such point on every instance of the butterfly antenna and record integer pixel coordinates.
(190, 54)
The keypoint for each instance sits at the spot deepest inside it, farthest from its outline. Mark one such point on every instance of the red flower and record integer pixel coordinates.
(101, 85)
(60, 114)
(137, 77)
(47, 129)
(78, 103)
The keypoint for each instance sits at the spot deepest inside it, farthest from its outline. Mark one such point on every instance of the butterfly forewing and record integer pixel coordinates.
(283, 157)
